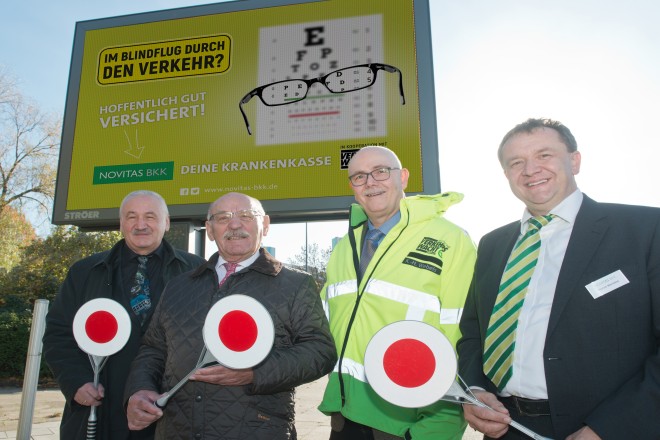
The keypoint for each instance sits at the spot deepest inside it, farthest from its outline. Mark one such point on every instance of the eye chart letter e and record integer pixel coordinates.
(311, 50)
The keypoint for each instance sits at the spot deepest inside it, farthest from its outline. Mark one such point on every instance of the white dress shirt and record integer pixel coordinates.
(222, 270)
(528, 379)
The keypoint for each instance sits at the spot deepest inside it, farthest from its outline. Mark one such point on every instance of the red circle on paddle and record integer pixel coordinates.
(238, 330)
(409, 363)
(101, 326)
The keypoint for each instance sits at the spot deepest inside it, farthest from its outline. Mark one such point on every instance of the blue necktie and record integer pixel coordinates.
(371, 243)
(140, 300)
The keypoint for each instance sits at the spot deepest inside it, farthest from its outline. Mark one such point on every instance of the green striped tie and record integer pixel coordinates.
(501, 333)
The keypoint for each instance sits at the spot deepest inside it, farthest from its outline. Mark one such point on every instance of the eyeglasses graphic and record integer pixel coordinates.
(340, 81)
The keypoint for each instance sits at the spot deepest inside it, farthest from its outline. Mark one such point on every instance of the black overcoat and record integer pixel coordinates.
(98, 276)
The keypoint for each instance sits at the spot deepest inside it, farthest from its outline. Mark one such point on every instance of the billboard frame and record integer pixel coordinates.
(280, 210)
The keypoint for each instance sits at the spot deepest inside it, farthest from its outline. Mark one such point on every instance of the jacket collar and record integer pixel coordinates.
(113, 255)
(169, 253)
(418, 208)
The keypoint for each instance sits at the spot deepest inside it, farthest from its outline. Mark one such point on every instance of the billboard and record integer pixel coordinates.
(268, 98)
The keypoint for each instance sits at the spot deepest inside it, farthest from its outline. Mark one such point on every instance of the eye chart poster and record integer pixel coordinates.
(322, 115)
(269, 98)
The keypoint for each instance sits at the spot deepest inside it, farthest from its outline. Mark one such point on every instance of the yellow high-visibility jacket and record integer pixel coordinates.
(421, 271)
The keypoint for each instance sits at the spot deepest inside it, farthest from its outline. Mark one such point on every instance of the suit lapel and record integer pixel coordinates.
(588, 231)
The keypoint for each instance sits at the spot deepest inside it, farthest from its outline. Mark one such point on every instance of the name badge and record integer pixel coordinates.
(607, 284)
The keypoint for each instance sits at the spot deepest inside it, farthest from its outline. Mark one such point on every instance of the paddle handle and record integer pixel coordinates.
(91, 424)
(97, 364)
(205, 359)
(527, 431)
(162, 401)
(513, 423)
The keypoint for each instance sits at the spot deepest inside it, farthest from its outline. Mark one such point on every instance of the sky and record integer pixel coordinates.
(592, 64)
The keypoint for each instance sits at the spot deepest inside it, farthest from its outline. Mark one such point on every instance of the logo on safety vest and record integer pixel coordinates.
(432, 246)
(427, 255)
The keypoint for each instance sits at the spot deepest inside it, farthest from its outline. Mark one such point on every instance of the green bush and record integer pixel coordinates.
(15, 325)
(43, 265)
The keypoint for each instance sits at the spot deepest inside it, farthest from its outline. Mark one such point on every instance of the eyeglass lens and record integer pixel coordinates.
(284, 92)
(353, 78)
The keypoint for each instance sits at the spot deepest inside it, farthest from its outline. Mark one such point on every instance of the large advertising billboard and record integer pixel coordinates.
(268, 98)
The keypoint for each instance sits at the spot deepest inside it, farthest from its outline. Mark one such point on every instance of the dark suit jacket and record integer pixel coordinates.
(601, 356)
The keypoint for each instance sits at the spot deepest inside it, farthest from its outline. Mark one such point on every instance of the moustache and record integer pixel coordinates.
(235, 234)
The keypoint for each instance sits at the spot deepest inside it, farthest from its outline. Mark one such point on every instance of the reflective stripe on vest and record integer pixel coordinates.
(418, 302)
(352, 368)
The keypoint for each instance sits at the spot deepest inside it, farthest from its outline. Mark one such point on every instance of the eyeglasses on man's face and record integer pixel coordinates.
(345, 80)
(359, 179)
(245, 216)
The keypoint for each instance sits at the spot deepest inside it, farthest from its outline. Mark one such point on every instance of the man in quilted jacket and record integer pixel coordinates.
(218, 402)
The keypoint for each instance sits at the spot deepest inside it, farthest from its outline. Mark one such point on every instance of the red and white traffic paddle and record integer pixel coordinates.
(238, 333)
(408, 365)
(101, 328)
(412, 364)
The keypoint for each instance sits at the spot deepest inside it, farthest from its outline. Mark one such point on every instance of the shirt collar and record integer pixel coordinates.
(388, 225)
(241, 264)
(567, 210)
(128, 252)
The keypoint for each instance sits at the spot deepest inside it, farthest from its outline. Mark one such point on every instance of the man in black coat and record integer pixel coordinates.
(585, 358)
(144, 219)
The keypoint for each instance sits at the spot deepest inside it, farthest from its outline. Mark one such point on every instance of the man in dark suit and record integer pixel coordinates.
(583, 360)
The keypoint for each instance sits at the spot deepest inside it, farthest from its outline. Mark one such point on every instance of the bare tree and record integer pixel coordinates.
(7, 85)
(29, 147)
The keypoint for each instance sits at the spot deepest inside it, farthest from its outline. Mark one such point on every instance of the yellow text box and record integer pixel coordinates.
(164, 59)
